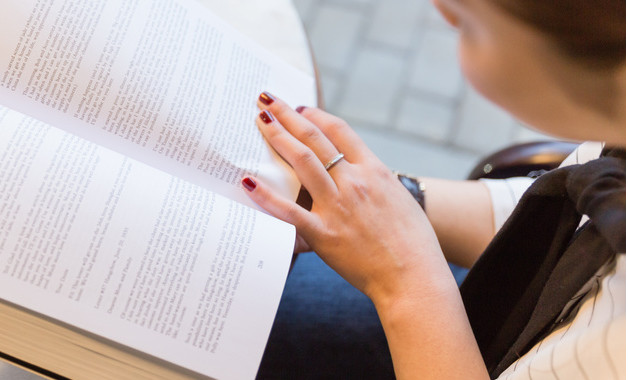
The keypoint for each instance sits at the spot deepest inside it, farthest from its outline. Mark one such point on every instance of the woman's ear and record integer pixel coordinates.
(447, 13)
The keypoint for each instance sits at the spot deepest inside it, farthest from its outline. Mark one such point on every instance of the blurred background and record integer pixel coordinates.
(389, 68)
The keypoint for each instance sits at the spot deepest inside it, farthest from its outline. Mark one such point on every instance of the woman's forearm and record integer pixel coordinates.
(428, 331)
(462, 215)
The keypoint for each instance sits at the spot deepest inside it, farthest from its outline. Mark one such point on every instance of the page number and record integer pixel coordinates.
(260, 264)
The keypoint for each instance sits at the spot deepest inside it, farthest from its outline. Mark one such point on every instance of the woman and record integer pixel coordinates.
(558, 66)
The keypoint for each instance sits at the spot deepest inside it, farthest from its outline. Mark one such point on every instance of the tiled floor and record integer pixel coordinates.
(389, 68)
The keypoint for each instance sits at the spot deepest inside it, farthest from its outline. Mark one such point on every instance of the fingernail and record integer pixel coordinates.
(300, 109)
(266, 98)
(249, 184)
(266, 116)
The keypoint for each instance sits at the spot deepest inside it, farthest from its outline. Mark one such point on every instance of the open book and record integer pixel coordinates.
(127, 246)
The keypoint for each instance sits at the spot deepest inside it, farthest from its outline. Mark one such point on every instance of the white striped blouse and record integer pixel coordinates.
(591, 342)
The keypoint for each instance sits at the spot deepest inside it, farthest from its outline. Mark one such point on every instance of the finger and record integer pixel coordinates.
(300, 127)
(339, 133)
(277, 205)
(307, 166)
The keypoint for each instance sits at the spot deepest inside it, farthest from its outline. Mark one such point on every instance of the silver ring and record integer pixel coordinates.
(334, 161)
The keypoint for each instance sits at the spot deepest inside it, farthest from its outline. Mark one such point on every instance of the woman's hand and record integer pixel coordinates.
(369, 229)
(363, 222)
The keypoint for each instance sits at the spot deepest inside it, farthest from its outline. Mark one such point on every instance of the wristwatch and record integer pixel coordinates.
(414, 186)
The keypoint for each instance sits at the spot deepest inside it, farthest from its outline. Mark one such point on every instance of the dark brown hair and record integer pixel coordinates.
(591, 31)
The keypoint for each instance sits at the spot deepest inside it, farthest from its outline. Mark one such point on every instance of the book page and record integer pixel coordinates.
(112, 246)
(163, 82)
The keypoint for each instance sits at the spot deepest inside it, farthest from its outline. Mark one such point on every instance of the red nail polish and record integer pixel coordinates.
(249, 184)
(266, 116)
(300, 109)
(266, 98)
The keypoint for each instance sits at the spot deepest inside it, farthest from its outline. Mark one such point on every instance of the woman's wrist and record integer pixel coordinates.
(427, 277)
